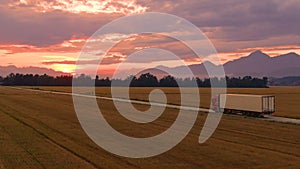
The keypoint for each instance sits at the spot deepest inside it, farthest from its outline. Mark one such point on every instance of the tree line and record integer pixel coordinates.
(144, 80)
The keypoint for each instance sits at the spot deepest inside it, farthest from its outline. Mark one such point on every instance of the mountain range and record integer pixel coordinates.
(260, 64)
(6, 70)
(257, 64)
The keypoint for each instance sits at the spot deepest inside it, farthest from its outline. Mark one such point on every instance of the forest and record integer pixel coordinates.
(144, 80)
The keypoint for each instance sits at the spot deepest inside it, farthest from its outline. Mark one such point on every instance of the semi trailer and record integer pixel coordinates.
(244, 104)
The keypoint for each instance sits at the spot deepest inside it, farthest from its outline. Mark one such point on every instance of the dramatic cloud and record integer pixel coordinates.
(145, 48)
(52, 22)
(25, 26)
(73, 45)
(79, 6)
(31, 28)
(237, 20)
(153, 41)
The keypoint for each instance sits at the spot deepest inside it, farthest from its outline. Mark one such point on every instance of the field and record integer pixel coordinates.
(40, 130)
(287, 98)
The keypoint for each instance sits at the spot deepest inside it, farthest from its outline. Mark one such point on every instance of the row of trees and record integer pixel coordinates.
(145, 80)
(36, 80)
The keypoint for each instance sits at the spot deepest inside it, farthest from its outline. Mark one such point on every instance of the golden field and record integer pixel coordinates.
(287, 98)
(40, 130)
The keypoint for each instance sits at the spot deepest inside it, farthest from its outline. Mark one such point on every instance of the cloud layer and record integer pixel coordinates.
(43, 22)
(236, 27)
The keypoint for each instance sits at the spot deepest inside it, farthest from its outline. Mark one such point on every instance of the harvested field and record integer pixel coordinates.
(287, 98)
(40, 130)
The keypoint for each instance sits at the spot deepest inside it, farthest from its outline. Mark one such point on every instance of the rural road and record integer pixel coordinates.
(270, 118)
(282, 119)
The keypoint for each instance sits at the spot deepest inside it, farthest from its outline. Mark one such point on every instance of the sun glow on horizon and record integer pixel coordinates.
(65, 68)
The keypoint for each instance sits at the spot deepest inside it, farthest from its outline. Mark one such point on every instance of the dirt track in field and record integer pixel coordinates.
(283, 120)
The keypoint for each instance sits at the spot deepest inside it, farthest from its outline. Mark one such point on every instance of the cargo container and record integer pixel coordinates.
(250, 105)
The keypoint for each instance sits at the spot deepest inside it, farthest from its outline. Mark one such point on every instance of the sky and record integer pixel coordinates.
(51, 34)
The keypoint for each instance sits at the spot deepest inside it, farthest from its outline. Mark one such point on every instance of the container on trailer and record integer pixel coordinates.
(252, 103)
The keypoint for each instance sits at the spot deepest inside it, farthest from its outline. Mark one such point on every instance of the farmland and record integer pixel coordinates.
(287, 98)
(40, 130)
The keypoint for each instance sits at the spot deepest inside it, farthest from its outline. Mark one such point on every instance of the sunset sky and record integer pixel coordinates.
(51, 34)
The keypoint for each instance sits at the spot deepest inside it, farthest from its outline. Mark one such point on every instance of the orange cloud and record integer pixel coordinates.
(125, 7)
(274, 50)
(193, 60)
(137, 43)
(73, 45)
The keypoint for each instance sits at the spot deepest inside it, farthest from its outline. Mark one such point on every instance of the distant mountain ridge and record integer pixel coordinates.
(260, 64)
(6, 70)
(285, 81)
(257, 64)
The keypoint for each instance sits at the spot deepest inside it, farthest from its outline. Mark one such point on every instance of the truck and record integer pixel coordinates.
(244, 104)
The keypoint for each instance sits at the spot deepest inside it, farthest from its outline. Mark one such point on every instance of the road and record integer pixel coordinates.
(270, 118)
(282, 119)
